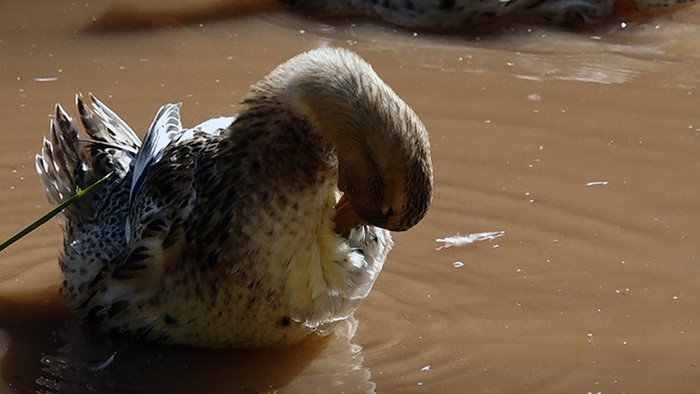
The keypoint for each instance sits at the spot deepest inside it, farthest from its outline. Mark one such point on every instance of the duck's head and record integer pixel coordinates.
(384, 165)
(387, 178)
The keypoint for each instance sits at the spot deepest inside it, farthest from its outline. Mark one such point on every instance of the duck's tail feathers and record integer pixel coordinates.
(68, 162)
(112, 145)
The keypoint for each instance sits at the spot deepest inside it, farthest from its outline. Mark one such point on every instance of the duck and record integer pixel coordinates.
(448, 15)
(259, 230)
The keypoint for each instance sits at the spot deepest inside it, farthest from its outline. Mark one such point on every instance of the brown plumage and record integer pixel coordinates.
(223, 235)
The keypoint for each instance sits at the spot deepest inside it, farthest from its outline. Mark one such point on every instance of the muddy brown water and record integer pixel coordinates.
(583, 146)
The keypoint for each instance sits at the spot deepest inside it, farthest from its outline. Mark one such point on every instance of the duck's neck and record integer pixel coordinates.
(338, 95)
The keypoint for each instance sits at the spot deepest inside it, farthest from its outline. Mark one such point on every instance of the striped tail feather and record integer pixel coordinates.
(68, 161)
(112, 145)
(58, 164)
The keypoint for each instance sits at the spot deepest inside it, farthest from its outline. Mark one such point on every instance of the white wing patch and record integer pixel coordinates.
(165, 128)
(213, 126)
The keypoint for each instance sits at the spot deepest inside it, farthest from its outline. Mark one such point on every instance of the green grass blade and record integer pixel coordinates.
(78, 194)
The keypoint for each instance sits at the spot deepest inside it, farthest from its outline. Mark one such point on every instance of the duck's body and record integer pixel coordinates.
(460, 14)
(225, 236)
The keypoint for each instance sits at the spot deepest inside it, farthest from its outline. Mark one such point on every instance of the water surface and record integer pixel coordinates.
(583, 146)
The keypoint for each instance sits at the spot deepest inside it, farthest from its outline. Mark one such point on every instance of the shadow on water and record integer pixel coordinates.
(125, 18)
(48, 350)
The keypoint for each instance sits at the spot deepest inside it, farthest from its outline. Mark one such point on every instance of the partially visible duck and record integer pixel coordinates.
(459, 14)
(231, 233)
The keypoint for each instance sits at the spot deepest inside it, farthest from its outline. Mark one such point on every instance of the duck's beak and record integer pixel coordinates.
(346, 218)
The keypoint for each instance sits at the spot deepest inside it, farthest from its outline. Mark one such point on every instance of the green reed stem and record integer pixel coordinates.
(78, 194)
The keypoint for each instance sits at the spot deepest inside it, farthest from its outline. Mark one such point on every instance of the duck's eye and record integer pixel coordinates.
(388, 211)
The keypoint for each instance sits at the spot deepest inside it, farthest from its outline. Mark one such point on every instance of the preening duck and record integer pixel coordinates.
(234, 233)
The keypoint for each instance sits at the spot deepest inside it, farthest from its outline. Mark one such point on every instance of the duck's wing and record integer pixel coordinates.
(210, 127)
(216, 125)
(165, 128)
(154, 186)
(149, 218)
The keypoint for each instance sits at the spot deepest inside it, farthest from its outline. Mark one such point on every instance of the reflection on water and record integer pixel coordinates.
(583, 147)
(51, 351)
